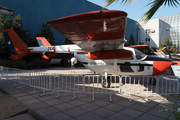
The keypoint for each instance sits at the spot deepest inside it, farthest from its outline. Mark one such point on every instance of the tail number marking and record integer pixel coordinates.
(50, 48)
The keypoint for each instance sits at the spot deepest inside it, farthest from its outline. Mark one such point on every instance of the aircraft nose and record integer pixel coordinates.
(161, 66)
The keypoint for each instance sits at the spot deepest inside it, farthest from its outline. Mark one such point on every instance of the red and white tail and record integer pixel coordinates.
(19, 49)
(16, 46)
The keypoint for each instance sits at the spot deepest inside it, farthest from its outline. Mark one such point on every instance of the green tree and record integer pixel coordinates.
(168, 46)
(8, 23)
(131, 41)
(23, 34)
(4, 24)
(175, 112)
(140, 43)
(16, 24)
(154, 6)
(30, 60)
(46, 31)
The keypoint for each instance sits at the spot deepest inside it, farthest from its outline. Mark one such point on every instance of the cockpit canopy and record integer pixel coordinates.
(139, 55)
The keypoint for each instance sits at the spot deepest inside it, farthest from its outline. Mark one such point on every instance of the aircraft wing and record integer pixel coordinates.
(97, 30)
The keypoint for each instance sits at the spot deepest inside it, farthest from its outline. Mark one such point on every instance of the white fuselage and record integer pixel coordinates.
(132, 66)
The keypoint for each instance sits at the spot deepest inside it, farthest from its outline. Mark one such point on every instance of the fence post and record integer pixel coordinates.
(29, 78)
(58, 95)
(44, 75)
(146, 98)
(33, 80)
(1, 72)
(110, 89)
(129, 97)
(74, 96)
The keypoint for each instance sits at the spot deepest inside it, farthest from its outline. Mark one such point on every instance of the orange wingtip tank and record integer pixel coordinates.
(110, 54)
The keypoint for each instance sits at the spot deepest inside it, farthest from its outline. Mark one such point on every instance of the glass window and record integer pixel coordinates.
(145, 50)
(139, 55)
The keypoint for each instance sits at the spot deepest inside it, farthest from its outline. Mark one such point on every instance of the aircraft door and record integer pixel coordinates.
(126, 66)
(140, 66)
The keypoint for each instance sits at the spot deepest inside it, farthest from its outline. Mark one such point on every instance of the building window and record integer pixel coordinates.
(147, 32)
(147, 37)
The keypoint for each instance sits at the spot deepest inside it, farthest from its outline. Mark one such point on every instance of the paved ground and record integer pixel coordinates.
(48, 108)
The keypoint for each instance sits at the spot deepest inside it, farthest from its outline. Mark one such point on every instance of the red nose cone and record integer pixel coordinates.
(161, 67)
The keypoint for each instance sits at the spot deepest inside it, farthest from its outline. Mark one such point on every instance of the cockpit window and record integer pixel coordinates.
(139, 55)
(145, 50)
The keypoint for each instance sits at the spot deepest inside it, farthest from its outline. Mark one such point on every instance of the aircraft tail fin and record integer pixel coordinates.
(43, 42)
(16, 46)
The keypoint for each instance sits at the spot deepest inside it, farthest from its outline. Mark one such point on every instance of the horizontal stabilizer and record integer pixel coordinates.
(48, 55)
(43, 42)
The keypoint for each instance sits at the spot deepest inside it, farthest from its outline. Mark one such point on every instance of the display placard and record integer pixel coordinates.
(176, 70)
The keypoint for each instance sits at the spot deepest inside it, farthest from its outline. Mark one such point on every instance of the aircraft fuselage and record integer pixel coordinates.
(139, 64)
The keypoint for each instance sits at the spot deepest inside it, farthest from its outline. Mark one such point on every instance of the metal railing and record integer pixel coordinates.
(97, 84)
(143, 85)
(67, 83)
(91, 84)
(40, 81)
(14, 77)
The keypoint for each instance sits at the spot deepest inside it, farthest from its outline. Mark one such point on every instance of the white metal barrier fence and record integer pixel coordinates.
(40, 81)
(144, 85)
(96, 84)
(91, 84)
(14, 77)
(168, 85)
(67, 83)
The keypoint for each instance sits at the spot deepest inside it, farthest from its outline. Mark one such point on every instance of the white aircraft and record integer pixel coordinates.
(99, 38)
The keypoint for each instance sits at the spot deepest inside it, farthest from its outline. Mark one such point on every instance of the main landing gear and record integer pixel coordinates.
(152, 81)
(106, 83)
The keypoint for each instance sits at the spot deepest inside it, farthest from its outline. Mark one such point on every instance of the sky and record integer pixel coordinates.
(135, 10)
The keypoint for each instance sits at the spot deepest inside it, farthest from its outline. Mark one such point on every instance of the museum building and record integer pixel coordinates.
(35, 12)
(156, 30)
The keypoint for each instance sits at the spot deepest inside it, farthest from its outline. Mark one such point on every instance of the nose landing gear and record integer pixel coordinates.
(106, 83)
(152, 81)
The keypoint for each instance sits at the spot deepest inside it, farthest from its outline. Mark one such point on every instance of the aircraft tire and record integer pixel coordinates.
(152, 81)
(105, 83)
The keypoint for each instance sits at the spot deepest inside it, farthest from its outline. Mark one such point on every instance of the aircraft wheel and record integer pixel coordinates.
(152, 81)
(106, 84)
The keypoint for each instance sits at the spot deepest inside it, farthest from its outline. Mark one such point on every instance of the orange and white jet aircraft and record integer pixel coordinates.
(99, 38)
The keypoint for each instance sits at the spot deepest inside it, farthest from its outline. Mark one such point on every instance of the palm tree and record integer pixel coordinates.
(154, 6)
